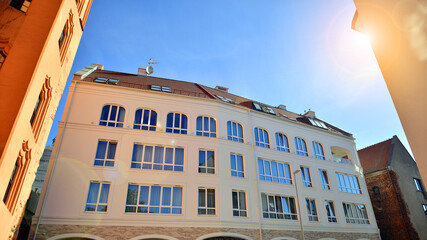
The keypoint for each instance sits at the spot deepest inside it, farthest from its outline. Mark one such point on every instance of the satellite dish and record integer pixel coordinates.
(149, 69)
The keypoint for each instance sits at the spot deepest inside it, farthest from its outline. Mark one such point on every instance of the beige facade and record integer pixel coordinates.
(63, 207)
(399, 39)
(38, 42)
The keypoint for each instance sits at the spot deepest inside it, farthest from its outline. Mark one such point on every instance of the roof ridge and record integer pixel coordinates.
(375, 144)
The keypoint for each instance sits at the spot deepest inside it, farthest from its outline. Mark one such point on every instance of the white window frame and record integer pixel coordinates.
(205, 167)
(284, 139)
(236, 171)
(330, 211)
(354, 214)
(239, 210)
(209, 210)
(234, 135)
(324, 179)
(304, 175)
(318, 150)
(115, 122)
(203, 132)
(311, 210)
(177, 130)
(276, 214)
(348, 183)
(301, 146)
(149, 125)
(174, 167)
(98, 204)
(105, 159)
(271, 177)
(261, 137)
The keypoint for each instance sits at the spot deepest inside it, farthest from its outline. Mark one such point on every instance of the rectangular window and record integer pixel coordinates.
(236, 162)
(278, 207)
(157, 158)
(348, 183)
(311, 210)
(324, 179)
(418, 185)
(206, 161)
(206, 201)
(355, 213)
(305, 175)
(318, 151)
(154, 199)
(97, 197)
(274, 171)
(330, 211)
(105, 153)
(239, 203)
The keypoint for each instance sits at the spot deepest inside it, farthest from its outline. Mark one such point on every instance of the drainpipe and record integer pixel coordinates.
(299, 208)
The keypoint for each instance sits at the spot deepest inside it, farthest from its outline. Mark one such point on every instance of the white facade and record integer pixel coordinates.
(72, 169)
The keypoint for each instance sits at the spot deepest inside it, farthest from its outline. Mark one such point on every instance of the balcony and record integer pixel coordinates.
(341, 160)
(341, 155)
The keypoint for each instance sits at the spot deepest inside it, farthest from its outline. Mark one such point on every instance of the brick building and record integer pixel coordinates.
(38, 42)
(397, 191)
(142, 157)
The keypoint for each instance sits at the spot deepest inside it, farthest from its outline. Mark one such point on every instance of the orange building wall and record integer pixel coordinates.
(30, 41)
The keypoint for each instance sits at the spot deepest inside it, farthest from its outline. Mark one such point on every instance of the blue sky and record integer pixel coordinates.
(302, 54)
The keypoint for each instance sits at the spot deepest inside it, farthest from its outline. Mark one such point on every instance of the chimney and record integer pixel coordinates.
(142, 72)
(224, 89)
(310, 114)
(281, 106)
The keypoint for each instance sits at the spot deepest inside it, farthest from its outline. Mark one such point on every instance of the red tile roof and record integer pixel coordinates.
(195, 90)
(375, 157)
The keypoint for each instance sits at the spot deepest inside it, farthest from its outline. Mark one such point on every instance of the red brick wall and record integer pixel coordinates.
(389, 207)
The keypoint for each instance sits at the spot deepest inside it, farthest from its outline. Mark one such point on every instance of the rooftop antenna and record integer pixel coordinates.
(149, 69)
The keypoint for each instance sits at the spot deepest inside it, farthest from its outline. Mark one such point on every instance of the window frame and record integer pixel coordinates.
(418, 185)
(301, 146)
(424, 206)
(206, 207)
(285, 140)
(318, 150)
(330, 211)
(263, 176)
(241, 211)
(312, 213)
(305, 182)
(206, 133)
(98, 203)
(235, 136)
(271, 213)
(206, 167)
(149, 165)
(141, 125)
(238, 173)
(149, 206)
(358, 216)
(177, 129)
(106, 153)
(350, 181)
(116, 122)
(3, 57)
(262, 138)
(324, 179)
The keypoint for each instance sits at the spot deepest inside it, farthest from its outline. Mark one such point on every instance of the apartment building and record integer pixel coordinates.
(141, 157)
(38, 42)
(397, 191)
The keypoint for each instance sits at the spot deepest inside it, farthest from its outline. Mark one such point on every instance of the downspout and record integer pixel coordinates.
(256, 178)
(55, 161)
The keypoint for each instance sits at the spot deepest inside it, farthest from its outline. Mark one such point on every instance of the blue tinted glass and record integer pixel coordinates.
(234, 129)
(155, 196)
(202, 158)
(105, 189)
(100, 152)
(184, 122)
(177, 197)
(199, 124)
(92, 196)
(266, 140)
(137, 153)
(111, 150)
(158, 154)
(281, 171)
(166, 196)
(138, 115)
(177, 120)
(99, 163)
(229, 130)
(113, 113)
(240, 131)
(132, 194)
(239, 163)
(260, 166)
(109, 163)
(146, 117)
(256, 135)
(143, 195)
(105, 111)
(169, 121)
(121, 116)
(148, 155)
(169, 155)
(153, 119)
(267, 168)
(274, 169)
(179, 156)
(233, 162)
(205, 123)
(213, 125)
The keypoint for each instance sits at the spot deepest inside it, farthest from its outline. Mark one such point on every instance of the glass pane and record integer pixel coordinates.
(202, 197)
(179, 156)
(177, 196)
(105, 111)
(229, 129)
(202, 158)
(158, 154)
(213, 125)
(169, 120)
(137, 153)
(132, 194)
(153, 119)
(235, 200)
(113, 113)
(239, 161)
(177, 119)
(211, 159)
(233, 162)
(242, 200)
(92, 196)
(138, 115)
(199, 124)
(105, 189)
(166, 196)
(148, 155)
(111, 150)
(100, 152)
(260, 166)
(155, 196)
(205, 124)
(211, 198)
(169, 155)
(121, 116)
(143, 195)
(184, 122)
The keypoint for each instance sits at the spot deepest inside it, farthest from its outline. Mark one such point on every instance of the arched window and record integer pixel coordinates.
(318, 150)
(234, 131)
(112, 116)
(282, 142)
(145, 119)
(206, 126)
(261, 138)
(301, 147)
(176, 123)
(41, 107)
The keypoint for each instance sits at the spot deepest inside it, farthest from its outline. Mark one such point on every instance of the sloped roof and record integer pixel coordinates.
(197, 90)
(375, 157)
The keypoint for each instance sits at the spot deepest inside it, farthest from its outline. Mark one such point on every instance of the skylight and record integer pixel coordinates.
(317, 123)
(106, 80)
(257, 106)
(263, 108)
(224, 99)
(161, 88)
